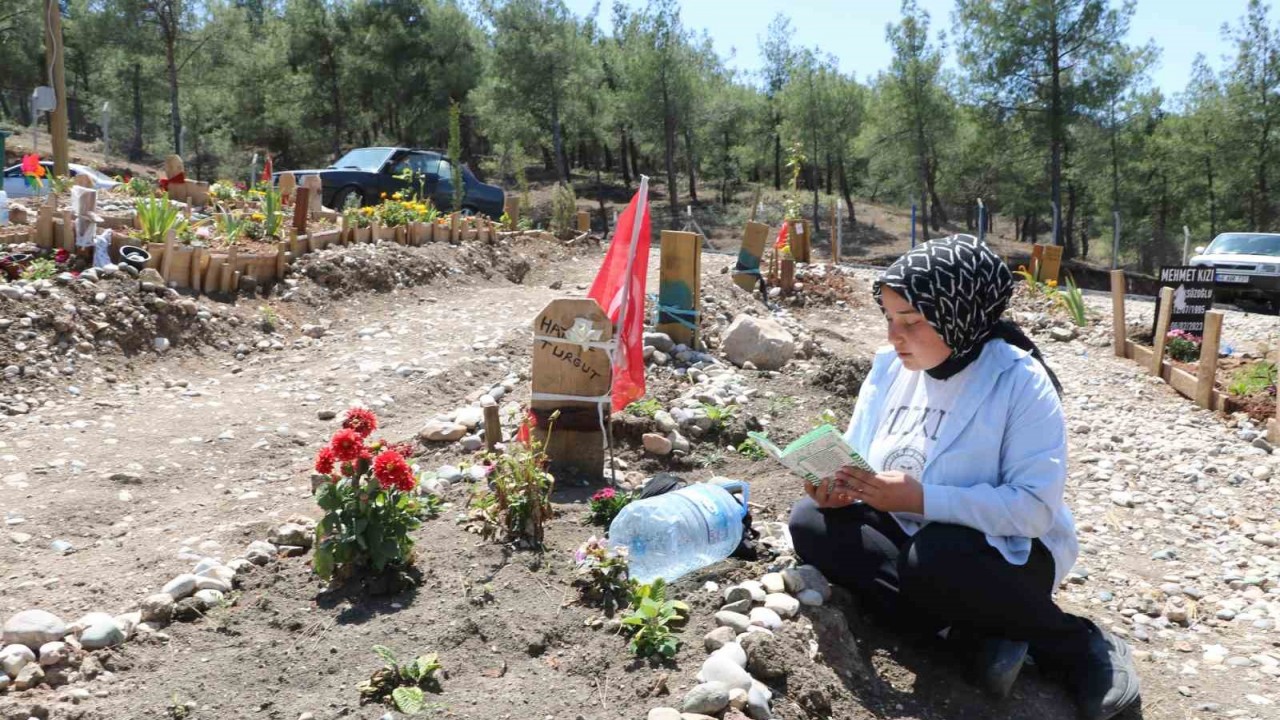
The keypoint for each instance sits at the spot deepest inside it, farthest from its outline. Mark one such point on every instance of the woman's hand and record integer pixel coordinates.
(890, 491)
(831, 493)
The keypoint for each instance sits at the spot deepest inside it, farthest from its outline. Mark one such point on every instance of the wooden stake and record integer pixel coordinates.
(166, 263)
(584, 221)
(492, 426)
(680, 285)
(788, 282)
(312, 183)
(454, 222)
(301, 212)
(1207, 372)
(755, 203)
(562, 368)
(197, 269)
(282, 250)
(213, 276)
(68, 239)
(235, 282)
(754, 236)
(835, 232)
(1118, 327)
(1162, 329)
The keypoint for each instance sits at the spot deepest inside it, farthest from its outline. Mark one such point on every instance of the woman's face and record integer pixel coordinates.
(918, 345)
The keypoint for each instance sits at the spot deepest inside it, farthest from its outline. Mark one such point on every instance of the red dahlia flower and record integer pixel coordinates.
(392, 471)
(347, 445)
(361, 420)
(325, 460)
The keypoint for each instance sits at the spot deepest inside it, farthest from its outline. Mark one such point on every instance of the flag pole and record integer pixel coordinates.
(641, 207)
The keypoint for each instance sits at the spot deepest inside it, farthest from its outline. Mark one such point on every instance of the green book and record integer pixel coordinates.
(814, 456)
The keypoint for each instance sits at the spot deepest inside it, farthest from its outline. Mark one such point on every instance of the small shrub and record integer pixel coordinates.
(752, 450)
(603, 575)
(606, 504)
(156, 217)
(652, 620)
(403, 683)
(1182, 346)
(518, 503)
(1073, 301)
(40, 269)
(644, 408)
(564, 209)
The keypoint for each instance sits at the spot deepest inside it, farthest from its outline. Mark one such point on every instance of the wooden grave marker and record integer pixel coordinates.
(288, 186)
(564, 369)
(584, 221)
(1049, 260)
(680, 286)
(1162, 330)
(300, 210)
(313, 183)
(746, 271)
(799, 236)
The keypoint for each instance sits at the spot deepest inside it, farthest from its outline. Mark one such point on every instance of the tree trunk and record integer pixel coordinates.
(335, 100)
(608, 158)
(1213, 200)
(693, 163)
(135, 148)
(1068, 241)
(171, 69)
(604, 214)
(622, 148)
(557, 139)
(848, 199)
(1055, 129)
(827, 187)
(777, 159)
(635, 159)
(669, 142)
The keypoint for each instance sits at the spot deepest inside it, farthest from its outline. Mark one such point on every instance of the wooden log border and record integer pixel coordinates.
(1199, 388)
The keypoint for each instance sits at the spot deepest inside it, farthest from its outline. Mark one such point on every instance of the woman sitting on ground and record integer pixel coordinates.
(963, 526)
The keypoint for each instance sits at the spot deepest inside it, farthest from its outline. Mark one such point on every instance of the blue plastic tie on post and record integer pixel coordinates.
(666, 313)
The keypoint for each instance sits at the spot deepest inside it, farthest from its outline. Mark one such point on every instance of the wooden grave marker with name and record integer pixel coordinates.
(565, 369)
(1049, 258)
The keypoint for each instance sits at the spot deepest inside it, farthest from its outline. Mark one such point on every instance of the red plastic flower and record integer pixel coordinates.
(361, 420)
(605, 494)
(392, 471)
(347, 445)
(61, 256)
(325, 460)
(31, 165)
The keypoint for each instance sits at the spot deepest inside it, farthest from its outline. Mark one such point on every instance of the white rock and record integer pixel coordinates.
(209, 598)
(15, 657)
(212, 583)
(773, 583)
(469, 417)
(656, 444)
(756, 588)
(760, 341)
(441, 431)
(734, 652)
(157, 608)
(129, 622)
(765, 618)
(33, 628)
(181, 586)
(783, 604)
(54, 653)
(721, 668)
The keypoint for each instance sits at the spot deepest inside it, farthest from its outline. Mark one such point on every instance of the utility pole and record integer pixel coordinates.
(53, 60)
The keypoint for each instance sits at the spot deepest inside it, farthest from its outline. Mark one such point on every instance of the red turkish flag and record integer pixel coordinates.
(619, 288)
(781, 242)
(266, 169)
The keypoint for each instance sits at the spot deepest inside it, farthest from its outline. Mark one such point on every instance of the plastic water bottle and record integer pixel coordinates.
(681, 531)
(4, 208)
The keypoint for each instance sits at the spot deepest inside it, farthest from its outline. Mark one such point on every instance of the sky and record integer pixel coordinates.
(853, 30)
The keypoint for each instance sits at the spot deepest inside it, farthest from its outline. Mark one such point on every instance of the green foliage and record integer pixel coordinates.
(517, 504)
(364, 525)
(1182, 346)
(1073, 301)
(605, 505)
(719, 415)
(230, 226)
(405, 684)
(1254, 378)
(271, 209)
(564, 209)
(648, 407)
(751, 449)
(455, 153)
(781, 404)
(603, 575)
(40, 269)
(651, 621)
(156, 217)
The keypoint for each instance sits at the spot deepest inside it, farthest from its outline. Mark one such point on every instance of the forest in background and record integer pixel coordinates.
(1050, 105)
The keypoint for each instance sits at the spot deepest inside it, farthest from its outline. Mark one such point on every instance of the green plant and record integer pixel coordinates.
(430, 506)
(781, 404)
(59, 184)
(455, 153)
(271, 205)
(752, 450)
(1254, 378)
(518, 502)
(404, 683)
(647, 407)
(268, 319)
(826, 417)
(1030, 277)
(605, 505)
(719, 415)
(1073, 301)
(156, 217)
(651, 621)
(230, 226)
(1182, 346)
(139, 187)
(564, 208)
(40, 269)
(224, 191)
(603, 574)
(369, 504)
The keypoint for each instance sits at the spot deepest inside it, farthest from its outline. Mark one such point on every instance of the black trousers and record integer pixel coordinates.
(943, 576)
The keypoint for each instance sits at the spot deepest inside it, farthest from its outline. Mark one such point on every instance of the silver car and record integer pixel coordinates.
(15, 185)
(1245, 265)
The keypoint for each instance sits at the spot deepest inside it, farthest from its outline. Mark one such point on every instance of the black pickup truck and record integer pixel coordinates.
(362, 175)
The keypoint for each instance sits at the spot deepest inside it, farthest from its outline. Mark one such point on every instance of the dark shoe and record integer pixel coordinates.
(992, 664)
(997, 665)
(1107, 683)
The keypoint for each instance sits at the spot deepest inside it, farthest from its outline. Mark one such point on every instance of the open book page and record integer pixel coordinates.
(816, 455)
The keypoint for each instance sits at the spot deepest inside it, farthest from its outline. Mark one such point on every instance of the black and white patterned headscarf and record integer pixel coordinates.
(962, 289)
